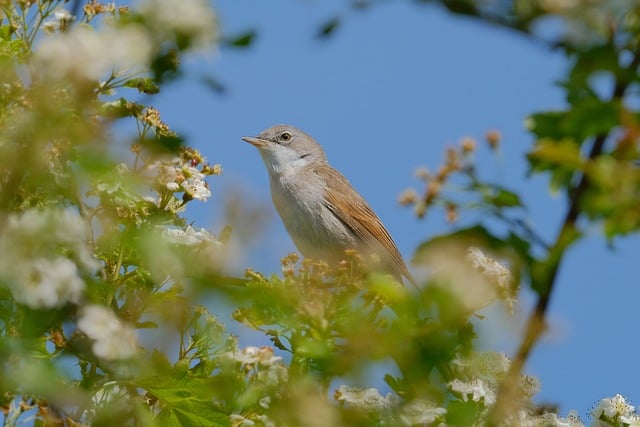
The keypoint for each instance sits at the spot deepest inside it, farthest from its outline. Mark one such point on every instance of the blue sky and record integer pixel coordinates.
(386, 94)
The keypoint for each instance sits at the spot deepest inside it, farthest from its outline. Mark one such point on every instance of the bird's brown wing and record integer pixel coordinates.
(363, 222)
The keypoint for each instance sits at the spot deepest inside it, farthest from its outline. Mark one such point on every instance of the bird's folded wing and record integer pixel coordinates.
(364, 223)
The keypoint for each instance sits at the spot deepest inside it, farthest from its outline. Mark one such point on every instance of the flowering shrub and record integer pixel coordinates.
(99, 268)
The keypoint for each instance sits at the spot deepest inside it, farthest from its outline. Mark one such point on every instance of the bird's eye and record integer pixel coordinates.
(286, 136)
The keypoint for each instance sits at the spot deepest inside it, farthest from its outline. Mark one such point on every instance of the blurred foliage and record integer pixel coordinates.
(101, 270)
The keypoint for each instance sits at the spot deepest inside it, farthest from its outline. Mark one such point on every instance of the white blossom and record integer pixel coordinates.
(112, 339)
(47, 283)
(525, 418)
(192, 19)
(62, 18)
(197, 188)
(176, 175)
(33, 266)
(421, 412)
(238, 420)
(632, 420)
(612, 407)
(189, 236)
(477, 389)
(254, 355)
(367, 399)
(87, 54)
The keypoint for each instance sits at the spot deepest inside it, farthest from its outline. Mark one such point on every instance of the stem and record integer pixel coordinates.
(536, 324)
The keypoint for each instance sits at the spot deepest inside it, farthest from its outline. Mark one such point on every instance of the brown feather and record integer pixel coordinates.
(354, 212)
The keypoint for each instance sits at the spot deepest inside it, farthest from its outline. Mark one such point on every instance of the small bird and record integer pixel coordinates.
(320, 209)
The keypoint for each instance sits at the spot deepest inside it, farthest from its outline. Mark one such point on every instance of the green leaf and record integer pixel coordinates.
(6, 31)
(589, 117)
(559, 157)
(11, 49)
(241, 41)
(328, 28)
(460, 413)
(186, 401)
(120, 108)
(562, 153)
(144, 85)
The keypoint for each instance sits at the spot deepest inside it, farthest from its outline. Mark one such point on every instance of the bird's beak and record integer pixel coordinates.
(256, 142)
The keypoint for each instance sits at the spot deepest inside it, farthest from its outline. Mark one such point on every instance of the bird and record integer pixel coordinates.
(321, 211)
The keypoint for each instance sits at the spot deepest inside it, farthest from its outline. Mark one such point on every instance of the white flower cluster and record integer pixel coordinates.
(484, 371)
(193, 20)
(177, 175)
(254, 420)
(421, 412)
(44, 255)
(417, 412)
(263, 367)
(261, 363)
(497, 274)
(252, 355)
(62, 18)
(112, 339)
(615, 411)
(190, 237)
(83, 53)
(546, 419)
(366, 399)
(476, 389)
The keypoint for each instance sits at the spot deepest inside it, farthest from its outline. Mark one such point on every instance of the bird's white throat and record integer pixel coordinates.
(281, 160)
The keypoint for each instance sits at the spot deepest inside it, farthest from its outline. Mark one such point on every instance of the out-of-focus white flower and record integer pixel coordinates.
(367, 399)
(31, 244)
(47, 283)
(530, 385)
(489, 266)
(87, 54)
(421, 412)
(192, 19)
(526, 418)
(496, 273)
(473, 278)
(478, 389)
(611, 407)
(254, 355)
(488, 364)
(61, 21)
(631, 421)
(189, 236)
(238, 420)
(112, 339)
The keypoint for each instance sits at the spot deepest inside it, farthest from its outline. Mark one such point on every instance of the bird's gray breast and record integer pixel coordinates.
(299, 198)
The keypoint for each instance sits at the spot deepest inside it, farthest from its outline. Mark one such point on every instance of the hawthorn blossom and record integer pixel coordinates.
(477, 389)
(47, 283)
(421, 412)
(367, 399)
(193, 20)
(189, 236)
(112, 339)
(252, 355)
(45, 256)
(613, 408)
(83, 53)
